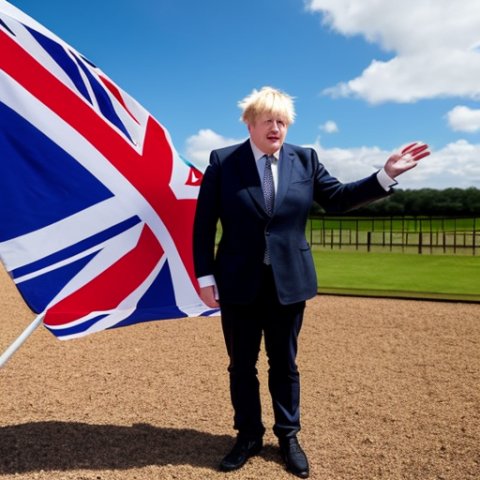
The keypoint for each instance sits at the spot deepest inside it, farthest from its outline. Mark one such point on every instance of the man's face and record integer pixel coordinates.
(268, 132)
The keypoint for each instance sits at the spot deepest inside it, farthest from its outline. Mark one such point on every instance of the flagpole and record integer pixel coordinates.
(21, 339)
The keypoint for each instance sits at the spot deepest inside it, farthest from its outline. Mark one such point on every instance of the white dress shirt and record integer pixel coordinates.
(260, 162)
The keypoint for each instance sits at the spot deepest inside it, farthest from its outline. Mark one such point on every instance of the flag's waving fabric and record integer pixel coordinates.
(96, 206)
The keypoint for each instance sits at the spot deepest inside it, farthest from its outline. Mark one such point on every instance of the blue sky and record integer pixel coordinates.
(368, 75)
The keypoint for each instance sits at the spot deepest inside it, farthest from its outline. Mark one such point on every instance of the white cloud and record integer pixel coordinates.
(434, 45)
(199, 146)
(329, 127)
(464, 119)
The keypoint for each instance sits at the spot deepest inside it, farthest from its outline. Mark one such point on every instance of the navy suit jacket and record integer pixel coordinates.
(231, 192)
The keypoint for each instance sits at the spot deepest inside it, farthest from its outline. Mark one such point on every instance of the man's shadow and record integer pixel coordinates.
(67, 446)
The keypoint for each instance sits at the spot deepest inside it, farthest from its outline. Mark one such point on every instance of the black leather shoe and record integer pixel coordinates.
(241, 452)
(294, 457)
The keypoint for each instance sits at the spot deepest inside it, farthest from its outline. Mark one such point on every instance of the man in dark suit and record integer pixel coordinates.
(263, 272)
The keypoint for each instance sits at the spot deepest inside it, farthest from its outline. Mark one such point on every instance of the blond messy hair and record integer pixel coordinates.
(267, 100)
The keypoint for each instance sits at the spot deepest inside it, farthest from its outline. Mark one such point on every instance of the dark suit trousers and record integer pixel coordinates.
(243, 326)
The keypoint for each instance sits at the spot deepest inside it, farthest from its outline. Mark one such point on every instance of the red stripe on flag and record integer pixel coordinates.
(107, 291)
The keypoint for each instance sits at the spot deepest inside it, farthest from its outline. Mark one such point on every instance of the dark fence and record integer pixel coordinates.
(434, 235)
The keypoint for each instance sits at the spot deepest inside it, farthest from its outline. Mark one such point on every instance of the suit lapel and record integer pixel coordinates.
(285, 165)
(249, 173)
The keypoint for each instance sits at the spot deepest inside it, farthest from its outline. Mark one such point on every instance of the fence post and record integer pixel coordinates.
(420, 238)
(474, 235)
(454, 235)
(340, 236)
(324, 232)
(369, 240)
(431, 236)
(391, 233)
(356, 234)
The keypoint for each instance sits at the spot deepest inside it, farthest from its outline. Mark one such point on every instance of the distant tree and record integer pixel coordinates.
(425, 201)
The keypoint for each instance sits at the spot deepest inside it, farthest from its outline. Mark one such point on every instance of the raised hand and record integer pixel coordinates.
(406, 159)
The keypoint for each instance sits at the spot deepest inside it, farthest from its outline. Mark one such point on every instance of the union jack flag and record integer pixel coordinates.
(96, 206)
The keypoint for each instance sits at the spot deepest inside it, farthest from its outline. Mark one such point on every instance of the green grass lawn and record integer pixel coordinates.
(446, 277)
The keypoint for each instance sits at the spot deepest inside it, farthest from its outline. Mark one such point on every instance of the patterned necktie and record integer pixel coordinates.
(268, 186)
(269, 196)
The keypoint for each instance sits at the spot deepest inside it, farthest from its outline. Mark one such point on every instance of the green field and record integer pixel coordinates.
(446, 277)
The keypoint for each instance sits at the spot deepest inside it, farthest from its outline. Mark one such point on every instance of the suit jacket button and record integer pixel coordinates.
(267, 233)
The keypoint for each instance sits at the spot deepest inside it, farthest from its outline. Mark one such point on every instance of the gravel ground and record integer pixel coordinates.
(390, 390)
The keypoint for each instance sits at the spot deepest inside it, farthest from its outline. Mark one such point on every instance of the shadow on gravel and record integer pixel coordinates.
(66, 446)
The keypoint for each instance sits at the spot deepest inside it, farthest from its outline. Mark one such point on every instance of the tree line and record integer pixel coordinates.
(426, 201)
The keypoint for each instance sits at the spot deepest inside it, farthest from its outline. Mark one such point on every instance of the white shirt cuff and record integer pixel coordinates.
(385, 181)
(206, 281)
